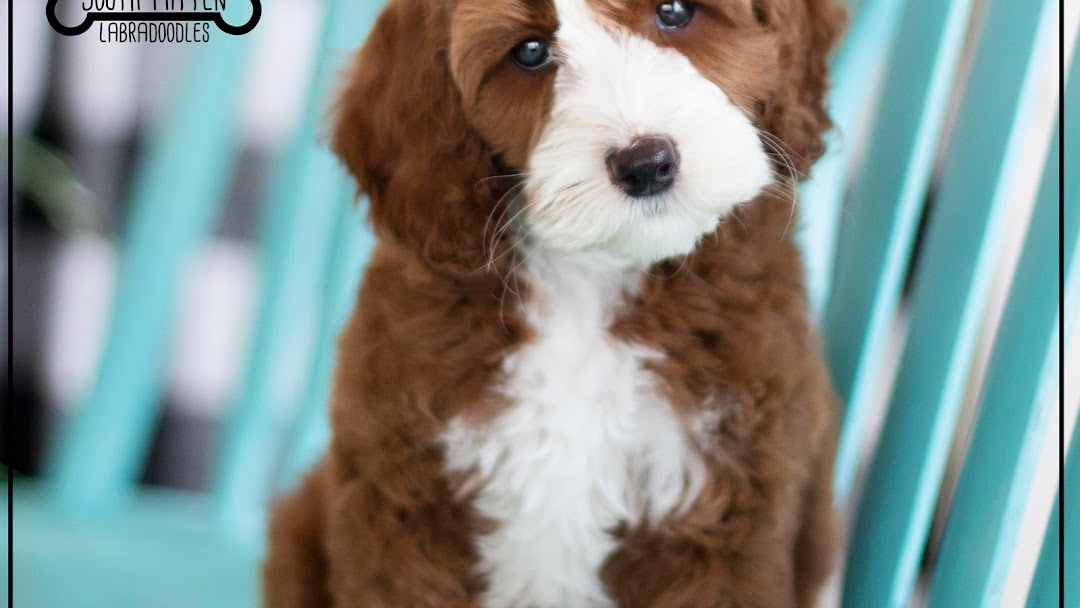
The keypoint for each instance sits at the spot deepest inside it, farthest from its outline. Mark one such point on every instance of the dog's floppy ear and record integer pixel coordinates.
(399, 128)
(809, 29)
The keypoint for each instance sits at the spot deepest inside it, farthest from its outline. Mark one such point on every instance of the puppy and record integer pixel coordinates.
(580, 372)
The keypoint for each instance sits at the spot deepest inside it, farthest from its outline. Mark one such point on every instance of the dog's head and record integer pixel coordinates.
(631, 126)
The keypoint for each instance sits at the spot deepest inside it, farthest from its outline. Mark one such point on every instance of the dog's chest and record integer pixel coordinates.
(586, 443)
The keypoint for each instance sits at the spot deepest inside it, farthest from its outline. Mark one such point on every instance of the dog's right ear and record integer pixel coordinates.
(399, 128)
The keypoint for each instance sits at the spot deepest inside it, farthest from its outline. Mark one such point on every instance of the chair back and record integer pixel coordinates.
(967, 211)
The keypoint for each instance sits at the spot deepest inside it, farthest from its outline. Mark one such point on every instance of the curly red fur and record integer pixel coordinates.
(380, 523)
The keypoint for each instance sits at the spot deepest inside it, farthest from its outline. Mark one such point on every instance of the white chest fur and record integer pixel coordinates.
(587, 443)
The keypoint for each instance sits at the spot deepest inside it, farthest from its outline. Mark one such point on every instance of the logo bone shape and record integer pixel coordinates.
(93, 16)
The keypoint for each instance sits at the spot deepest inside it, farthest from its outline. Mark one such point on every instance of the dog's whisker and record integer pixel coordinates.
(489, 244)
(735, 216)
(790, 180)
(500, 227)
(487, 223)
(498, 235)
(512, 275)
(502, 176)
(782, 148)
(504, 226)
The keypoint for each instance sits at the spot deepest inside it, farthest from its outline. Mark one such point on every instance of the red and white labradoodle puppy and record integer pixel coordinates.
(580, 372)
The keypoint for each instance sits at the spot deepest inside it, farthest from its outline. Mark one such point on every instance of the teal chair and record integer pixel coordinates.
(87, 535)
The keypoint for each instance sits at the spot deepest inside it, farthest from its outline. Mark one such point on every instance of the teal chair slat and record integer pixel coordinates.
(1071, 522)
(1046, 585)
(7, 540)
(861, 56)
(980, 534)
(351, 249)
(1045, 591)
(160, 549)
(304, 208)
(1071, 203)
(884, 207)
(176, 195)
(948, 301)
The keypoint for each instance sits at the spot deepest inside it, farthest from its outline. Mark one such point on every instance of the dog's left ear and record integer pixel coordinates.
(399, 128)
(809, 29)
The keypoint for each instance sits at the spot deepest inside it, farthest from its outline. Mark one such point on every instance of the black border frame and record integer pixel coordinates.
(10, 377)
(8, 410)
(1062, 144)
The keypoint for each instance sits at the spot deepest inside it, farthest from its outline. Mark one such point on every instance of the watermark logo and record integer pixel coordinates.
(154, 20)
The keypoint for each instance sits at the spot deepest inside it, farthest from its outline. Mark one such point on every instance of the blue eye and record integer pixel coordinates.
(675, 14)
(531, 54)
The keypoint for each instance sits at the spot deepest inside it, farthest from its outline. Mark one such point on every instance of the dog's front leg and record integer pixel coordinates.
(760, 536)
(708, 567)
(394, 550)
(294, 573)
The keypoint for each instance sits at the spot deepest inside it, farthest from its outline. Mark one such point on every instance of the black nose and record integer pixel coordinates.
(646, 167)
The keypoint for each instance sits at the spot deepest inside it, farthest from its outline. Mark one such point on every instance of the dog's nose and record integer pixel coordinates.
(646, 167)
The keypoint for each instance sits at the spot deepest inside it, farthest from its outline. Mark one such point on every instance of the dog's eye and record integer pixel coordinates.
(531, 54)
(675, 14)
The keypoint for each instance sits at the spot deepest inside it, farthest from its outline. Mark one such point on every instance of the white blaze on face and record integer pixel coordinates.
(611, 87)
